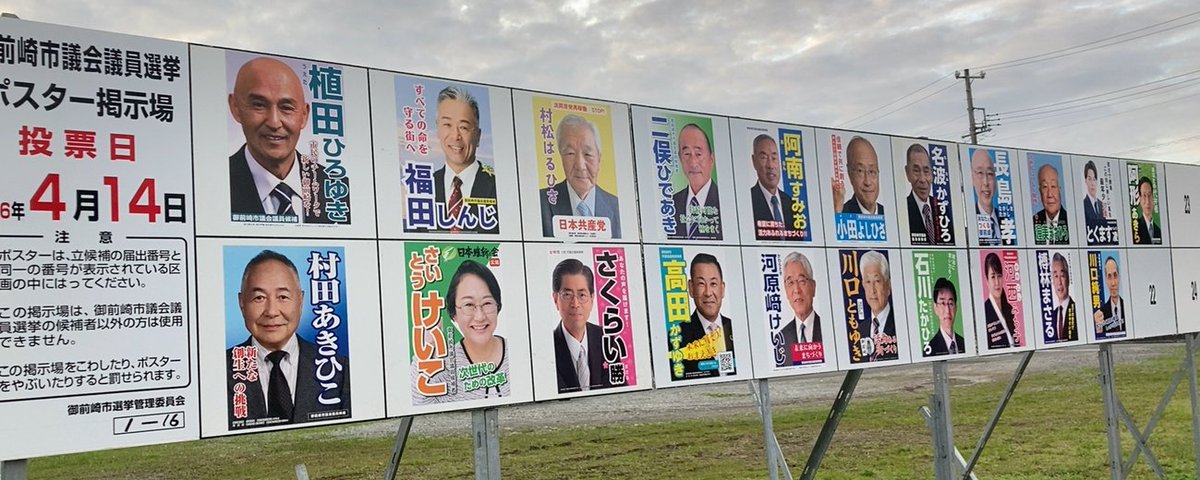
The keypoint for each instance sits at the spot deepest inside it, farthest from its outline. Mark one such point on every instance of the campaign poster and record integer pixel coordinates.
(994, 191)
(1182, 185)
(1107, 292)
(295, 152)
(930, 184)
(1101, 207)
(685, 172)
(700, 317)
(1048, 198)
(942, 327)
(441, 149)
(572, 152)
(1186, 281)
(790, 317)
(857, 188)
(1152, 292)
(595, 340)
(1059, 318)
(1000, 302)
(775, 166)
(97, 318)
(871, 320)
(1146, 225)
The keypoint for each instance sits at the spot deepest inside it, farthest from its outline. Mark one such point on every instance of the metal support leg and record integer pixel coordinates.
(764, 410)
(1195, 399)
(1108, 391)
(943, 430)
(486, 438)
(14, 469)
(962, 462)
(1141, 438)
(398, 447)
(831, 424)
(991, 426)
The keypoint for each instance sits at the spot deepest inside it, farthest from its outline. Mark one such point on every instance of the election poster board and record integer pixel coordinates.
(775, 166)
(1152, 292)
(1112, 313)
(1049, 186)
(996, 215)
(457, 323)
(288, 333)
(868, 309)
(286, 146)
(698, 320)
(927, 178)
(1182, 185)
(685, 176)
(595, 340)
(434, 137)
(1105, 215)
(789, 314)
(937, 287)
(858, 190)
(96, 234)
(1059, 306)
(575, 156)
(1003, 322)
(1186, 280)
(1146, 204)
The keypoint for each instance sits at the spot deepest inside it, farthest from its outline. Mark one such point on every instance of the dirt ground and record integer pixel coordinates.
(818, 389)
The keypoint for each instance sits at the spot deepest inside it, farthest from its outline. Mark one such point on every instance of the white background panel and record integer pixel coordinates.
(1151, 288)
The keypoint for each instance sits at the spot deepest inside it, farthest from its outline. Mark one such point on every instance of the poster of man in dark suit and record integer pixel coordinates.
(800, 287)
(862, 166)
(923, 225)
(1110, 318)
(772, 207)
(1147, 232)
(268, 179)
(276, 377)
(578, 195)
(578, 358)
(471, 185)
(945, 305)
(707, 289)
(1050, 223)
(698, 206)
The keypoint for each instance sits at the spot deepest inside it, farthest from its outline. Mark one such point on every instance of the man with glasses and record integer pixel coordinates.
(862, 163)
(983, 177)
(945, 306)
(800, 288)
(1064, 305)
(577, 351)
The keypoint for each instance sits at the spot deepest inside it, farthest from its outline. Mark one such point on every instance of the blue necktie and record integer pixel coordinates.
(775, 209)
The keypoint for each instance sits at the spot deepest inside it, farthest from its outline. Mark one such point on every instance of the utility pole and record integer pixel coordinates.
(966, 76)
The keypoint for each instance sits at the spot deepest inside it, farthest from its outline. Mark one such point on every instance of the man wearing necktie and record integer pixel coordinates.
(772, 208)
(1147, 232)
(1064, 305)
(698, 206)
(983, 178)
(468, 182)
(862, 166)
(801, 289)
(267, 176)
(923, 227)
(275, 376)
(707, 327)
(1050, 223)
(578, 144)
(1110, 320)
(1093, 209)
(880, 325)
(578, 358)
(945, 305)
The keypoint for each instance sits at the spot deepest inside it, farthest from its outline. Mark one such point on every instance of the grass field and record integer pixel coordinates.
(1053, 428)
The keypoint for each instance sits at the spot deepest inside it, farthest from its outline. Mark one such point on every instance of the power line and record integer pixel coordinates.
(1029, 117)
(909, 104)
(1048, 105)
(893, 102)
(1092, 45)
(1093, 119)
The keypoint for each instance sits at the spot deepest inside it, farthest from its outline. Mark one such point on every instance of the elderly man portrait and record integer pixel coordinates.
(578, 144)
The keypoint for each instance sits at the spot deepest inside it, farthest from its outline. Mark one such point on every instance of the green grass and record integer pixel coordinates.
(1053, 428)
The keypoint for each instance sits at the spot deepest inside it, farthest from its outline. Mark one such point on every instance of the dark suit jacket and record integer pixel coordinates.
(568, 381)
(995, 328)
(1106, 310)
(692, 331)
(790, 337)
(1041, 218)
(1146, 234)
(484, 186)
(1068, 334)
(1092, 213)
(606, 206)
(851, 206)
(937, 345)
(762, 210)
(916, 223)
(681, 204)
(243, 196)
(307, 388)
(888, 325)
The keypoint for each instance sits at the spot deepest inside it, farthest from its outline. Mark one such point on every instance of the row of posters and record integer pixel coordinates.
(200, 241)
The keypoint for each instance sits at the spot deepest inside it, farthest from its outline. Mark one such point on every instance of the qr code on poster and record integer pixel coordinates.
(725, 362)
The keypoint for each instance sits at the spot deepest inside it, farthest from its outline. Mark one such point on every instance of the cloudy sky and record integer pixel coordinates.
(1115, 78)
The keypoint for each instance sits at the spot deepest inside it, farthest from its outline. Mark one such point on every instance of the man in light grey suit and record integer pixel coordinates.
(578, 195)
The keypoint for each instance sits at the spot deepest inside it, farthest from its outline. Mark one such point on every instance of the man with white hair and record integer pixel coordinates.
(877, 290)
(800, 287)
